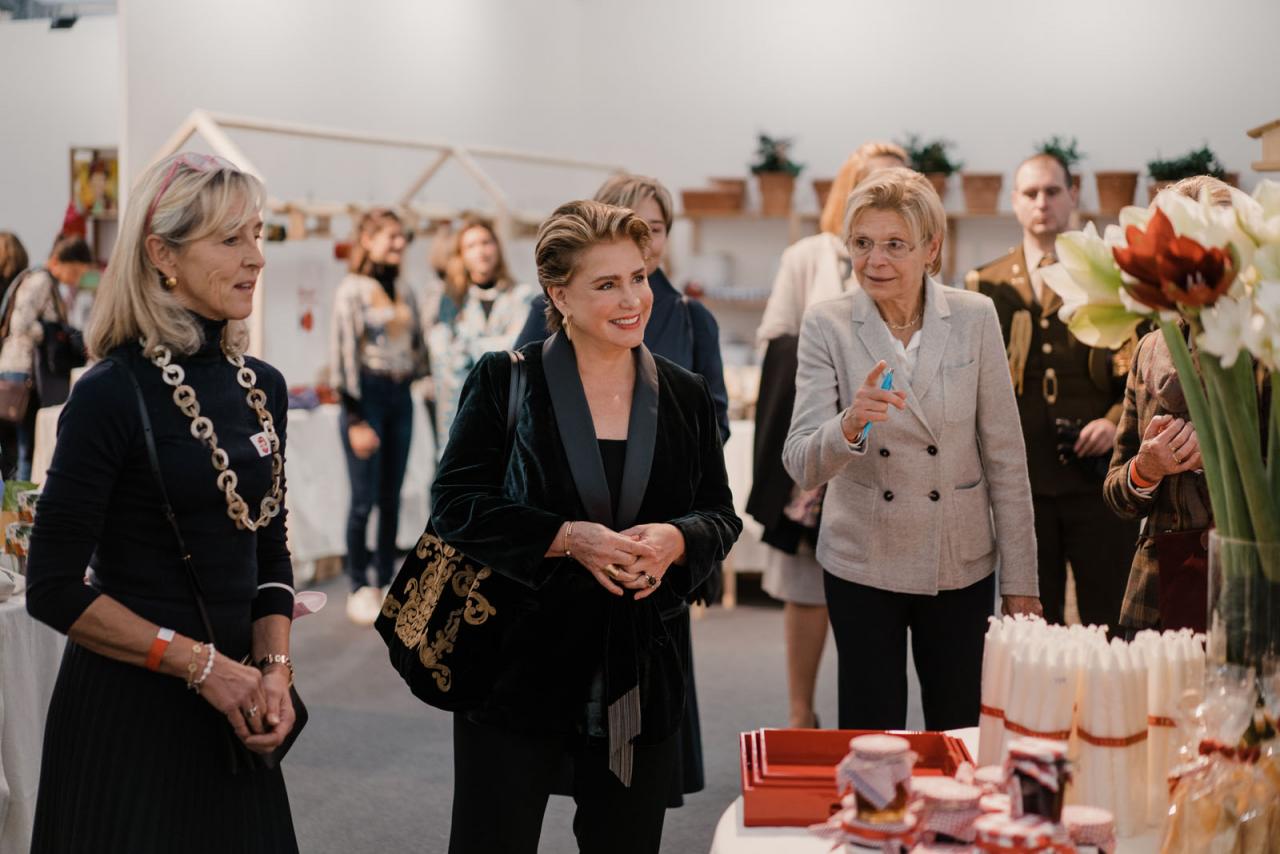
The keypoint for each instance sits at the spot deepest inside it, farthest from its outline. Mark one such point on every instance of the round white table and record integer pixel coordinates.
(732, 837)
(30, 654)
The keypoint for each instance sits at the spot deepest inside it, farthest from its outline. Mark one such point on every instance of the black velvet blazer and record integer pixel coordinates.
(505, 513)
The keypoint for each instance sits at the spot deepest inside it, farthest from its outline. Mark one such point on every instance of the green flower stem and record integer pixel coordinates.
(1235, 521)
(1240, 404)
(1198, 406)
(1273, 442)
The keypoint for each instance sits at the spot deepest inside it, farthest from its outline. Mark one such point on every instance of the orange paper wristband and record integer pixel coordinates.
(158, 646)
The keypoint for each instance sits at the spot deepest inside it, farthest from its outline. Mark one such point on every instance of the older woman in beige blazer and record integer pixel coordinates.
(927, 485)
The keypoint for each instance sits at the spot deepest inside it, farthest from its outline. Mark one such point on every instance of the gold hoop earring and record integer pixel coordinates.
(169, 283)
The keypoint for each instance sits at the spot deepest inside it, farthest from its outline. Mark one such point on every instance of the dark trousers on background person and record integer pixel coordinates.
(870, 626)
(502, 780)
(1082, 530)
(387, 407)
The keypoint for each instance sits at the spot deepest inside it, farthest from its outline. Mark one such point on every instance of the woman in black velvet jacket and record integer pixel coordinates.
(613, 505)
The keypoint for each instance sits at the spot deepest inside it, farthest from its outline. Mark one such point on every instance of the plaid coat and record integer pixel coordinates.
(1179, 502)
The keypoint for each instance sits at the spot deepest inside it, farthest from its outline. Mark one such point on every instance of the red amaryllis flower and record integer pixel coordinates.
(1171, 269)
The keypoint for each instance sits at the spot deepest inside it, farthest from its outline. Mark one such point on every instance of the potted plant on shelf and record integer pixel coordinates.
(1201, 161)
(1065, 150)
(776, 172)
(931, 160)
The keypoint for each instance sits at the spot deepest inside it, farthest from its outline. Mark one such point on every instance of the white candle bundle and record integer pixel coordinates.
(1111, 768)
(1175, 662)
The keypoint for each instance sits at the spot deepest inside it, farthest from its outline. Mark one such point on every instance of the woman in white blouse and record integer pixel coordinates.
(482, 309)
(812, 269)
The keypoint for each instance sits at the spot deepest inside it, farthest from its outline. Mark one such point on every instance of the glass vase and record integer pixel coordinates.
(1244, 605)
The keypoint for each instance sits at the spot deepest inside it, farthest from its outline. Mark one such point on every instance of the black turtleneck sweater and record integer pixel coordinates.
(101, 507)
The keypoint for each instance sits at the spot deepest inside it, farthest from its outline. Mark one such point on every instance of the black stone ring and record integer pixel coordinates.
(650, 580)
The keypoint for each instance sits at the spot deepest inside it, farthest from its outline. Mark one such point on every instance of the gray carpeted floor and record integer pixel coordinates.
(373, 772)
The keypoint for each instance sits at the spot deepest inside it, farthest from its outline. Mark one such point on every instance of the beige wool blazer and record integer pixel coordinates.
(940, 491)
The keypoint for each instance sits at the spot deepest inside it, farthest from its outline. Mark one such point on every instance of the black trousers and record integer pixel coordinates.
(947, 633)
(1099, 544)
(502, 779)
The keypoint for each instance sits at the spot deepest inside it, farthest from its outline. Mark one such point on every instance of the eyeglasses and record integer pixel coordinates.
(193, 161)
(894, 248)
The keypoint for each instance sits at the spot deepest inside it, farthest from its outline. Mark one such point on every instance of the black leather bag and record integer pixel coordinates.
(240, 757)
(446, 617)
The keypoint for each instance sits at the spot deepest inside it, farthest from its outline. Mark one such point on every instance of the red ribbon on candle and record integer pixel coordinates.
(1059, 735)
(1098, 741)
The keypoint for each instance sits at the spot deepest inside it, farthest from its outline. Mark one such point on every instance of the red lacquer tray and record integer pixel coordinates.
(788, 775)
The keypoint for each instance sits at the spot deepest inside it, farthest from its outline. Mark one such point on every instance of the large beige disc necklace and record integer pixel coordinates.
(202, 428)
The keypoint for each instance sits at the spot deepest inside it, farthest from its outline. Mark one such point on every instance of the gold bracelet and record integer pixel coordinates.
(276, 658)
(568, 532)
(193, 668)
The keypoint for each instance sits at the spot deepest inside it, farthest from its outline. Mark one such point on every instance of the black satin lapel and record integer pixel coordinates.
(577, 432)
(642, 434)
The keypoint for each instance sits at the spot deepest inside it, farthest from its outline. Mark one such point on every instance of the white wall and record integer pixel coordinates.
(679, 89)
(58, 88)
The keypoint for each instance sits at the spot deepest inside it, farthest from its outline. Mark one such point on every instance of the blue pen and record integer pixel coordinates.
(886, 384)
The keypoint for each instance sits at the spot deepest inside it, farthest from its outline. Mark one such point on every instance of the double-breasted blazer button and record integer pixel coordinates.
(933, 450)
(888, 495)
(884, 452)
(934, 496)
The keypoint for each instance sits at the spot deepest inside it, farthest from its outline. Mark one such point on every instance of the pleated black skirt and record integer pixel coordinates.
(136, 763)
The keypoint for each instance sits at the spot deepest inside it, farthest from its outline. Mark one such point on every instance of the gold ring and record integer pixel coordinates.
(614, 570)
(251, 712)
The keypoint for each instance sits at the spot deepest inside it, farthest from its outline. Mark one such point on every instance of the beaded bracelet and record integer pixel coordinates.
(193, 666)
(208, 668)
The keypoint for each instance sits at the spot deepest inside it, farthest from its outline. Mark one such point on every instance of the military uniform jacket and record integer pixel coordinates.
(1054, 375)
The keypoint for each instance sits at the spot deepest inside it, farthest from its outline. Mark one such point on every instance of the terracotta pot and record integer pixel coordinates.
(1155, 187)
(711, 201)
(1115, 190)
(939, 182)
(981, 191)
(1232, 178)
(822, 189)
(776, 189)
(738, 186)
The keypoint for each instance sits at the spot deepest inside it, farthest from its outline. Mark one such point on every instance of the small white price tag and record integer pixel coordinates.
(261, 444)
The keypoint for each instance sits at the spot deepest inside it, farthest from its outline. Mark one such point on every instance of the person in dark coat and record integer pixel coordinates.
(612, 507)
(685, 332)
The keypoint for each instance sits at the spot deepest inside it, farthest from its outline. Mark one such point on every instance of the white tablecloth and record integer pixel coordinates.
(30, 654)
(732, 837)
(319, 491)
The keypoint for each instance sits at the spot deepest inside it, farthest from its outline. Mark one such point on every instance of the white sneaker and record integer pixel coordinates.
(364, 605)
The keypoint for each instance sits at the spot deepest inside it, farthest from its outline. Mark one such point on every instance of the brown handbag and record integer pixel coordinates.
(1183, 559)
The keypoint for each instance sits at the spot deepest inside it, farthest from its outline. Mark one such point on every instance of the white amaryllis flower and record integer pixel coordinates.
(1262, 336)
(1088, 280)
(1226, 324)
(1261, 219)
(1266, 263)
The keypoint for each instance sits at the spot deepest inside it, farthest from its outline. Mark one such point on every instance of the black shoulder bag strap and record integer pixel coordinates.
(153, 458)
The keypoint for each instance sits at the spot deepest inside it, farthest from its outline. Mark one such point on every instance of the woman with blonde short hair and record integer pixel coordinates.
(917, 465)
(812, 269)
(609, 507)
(156, 731)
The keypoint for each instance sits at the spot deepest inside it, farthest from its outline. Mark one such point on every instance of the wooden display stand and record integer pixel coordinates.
(1270, 136)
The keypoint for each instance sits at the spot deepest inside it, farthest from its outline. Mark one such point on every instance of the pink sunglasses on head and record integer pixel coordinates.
(192, 161)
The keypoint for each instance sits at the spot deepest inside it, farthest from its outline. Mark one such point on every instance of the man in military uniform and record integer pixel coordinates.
(1069, 398)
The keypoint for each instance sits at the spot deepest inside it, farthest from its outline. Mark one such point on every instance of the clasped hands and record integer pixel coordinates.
(635, 559)
(236, 689)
